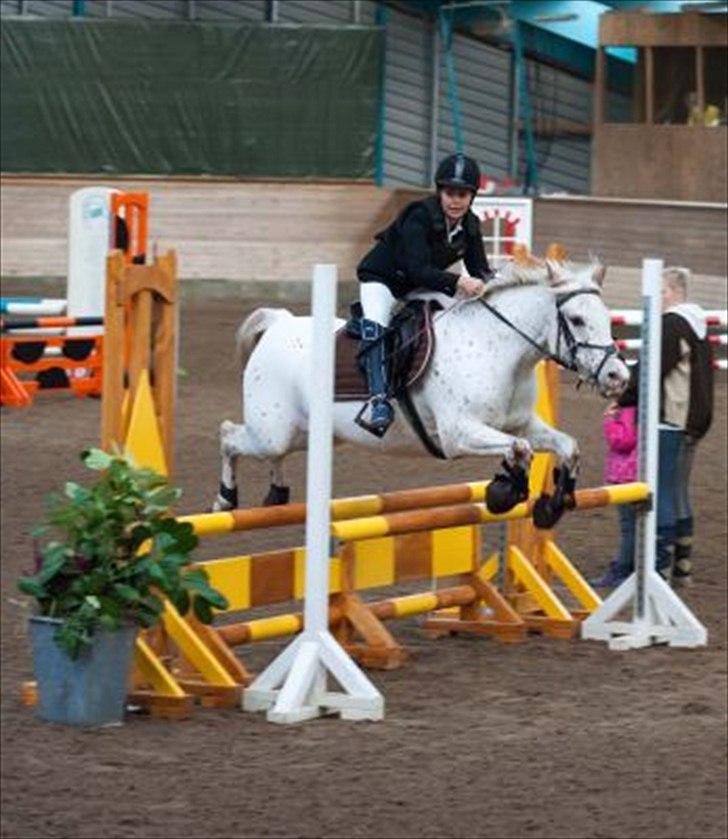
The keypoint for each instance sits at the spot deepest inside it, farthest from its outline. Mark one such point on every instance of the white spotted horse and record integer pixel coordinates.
(474, 395)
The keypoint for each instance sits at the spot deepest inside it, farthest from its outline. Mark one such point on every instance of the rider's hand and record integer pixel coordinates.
(470, 286)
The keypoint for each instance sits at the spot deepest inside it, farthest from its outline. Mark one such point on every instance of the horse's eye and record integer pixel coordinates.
(577, 321)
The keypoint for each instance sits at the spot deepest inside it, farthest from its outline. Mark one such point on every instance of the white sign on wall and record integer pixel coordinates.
(505, 222)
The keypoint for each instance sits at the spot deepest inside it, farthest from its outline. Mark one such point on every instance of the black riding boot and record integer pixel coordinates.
(373, 355)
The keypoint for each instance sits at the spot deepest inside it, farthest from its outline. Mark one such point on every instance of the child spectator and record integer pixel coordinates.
(620, 434)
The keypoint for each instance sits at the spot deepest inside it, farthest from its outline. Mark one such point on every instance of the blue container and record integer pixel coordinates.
(89, 690)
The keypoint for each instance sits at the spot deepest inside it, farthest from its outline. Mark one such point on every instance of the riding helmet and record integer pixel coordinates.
(457, 170)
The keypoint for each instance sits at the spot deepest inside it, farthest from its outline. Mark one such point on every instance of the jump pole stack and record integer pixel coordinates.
(294, 687)
(658, 614)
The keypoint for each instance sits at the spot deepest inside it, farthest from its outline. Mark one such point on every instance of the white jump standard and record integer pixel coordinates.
(658, 615)
(294, 687)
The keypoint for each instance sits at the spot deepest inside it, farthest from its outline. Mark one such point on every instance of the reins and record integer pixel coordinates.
(563, 331)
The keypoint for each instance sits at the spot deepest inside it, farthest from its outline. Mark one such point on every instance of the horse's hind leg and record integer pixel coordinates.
(232, 436)
(279, 492)
(238, 439)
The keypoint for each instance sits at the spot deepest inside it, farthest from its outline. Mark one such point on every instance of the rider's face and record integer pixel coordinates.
(455, 202)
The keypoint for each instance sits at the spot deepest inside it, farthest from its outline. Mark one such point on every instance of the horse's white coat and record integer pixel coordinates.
(476, 398)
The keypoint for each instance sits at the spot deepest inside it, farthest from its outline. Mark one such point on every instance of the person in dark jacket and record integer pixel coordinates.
(415, 252)
(686, 413)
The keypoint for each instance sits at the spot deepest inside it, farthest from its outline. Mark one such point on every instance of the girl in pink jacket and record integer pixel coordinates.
(620, 434)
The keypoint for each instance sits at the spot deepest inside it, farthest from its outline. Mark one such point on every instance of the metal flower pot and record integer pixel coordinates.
(89, 690)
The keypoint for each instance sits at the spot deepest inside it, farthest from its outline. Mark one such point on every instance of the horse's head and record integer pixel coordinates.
(584, 339)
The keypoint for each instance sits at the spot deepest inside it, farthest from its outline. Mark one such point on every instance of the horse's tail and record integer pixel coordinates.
(251, 329)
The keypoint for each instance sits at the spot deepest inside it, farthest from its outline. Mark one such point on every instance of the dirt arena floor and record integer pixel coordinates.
(543, 739)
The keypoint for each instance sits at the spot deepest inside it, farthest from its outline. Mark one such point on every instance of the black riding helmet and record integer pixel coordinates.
(458, 171)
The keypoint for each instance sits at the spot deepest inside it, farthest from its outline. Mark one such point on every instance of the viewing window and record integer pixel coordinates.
(715, 72)
(675, 87)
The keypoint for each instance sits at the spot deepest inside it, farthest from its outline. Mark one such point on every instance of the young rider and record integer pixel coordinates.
(414, 252)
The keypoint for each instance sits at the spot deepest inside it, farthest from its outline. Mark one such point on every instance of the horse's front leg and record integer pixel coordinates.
(548, 509)
(543, 437)
(510, 485)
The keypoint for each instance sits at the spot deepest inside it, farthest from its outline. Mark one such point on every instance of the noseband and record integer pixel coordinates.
(564, 335)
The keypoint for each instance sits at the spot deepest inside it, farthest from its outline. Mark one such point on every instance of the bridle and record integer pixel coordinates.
(564, 335)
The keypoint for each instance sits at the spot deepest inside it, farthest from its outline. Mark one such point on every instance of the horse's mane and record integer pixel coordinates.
(517, 274)
(514, 274)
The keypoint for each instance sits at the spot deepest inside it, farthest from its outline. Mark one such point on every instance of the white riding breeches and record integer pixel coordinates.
(377, 302)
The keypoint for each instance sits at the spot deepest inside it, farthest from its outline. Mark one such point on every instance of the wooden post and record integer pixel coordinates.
(700, 81)
(649, 85)
(599, 87)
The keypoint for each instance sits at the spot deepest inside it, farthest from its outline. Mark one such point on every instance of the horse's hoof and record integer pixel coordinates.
(227, 499)
(277, 495)
(508, 488)
(501, 496)
(546, 512)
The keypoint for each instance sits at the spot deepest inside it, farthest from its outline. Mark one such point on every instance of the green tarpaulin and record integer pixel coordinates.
(128, 97)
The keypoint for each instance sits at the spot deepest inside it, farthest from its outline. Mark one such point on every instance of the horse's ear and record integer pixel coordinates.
(552, 271)
(599, 272)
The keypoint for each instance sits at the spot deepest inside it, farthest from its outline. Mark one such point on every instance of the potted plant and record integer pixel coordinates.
(115, 552)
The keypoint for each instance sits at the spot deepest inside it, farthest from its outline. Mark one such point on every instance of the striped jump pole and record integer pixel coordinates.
(436, 518)
(658, 614)
(426, 507)
(38, 306)
(633, 317)
(39, 323)
(294, 687)
(254, 518)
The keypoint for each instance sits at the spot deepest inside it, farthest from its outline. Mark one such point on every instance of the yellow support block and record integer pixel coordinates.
(299, 574)
(374, 563)
(143, 438)
(536, 585)
(154, 672)
(452, 551)
(571, 578)
(193, 648)
(231, 577)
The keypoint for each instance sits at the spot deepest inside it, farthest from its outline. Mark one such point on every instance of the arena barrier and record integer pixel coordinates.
(716, 319)
(61, 347)
(40, 362)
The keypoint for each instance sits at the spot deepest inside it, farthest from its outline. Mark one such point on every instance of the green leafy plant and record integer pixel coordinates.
(119, 552)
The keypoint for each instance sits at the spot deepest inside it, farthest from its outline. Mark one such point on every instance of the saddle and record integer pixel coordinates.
(409, 343)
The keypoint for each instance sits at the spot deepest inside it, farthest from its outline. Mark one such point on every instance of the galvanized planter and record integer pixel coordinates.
(90, 690)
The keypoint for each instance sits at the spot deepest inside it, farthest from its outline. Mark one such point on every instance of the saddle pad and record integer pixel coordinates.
(416, 337)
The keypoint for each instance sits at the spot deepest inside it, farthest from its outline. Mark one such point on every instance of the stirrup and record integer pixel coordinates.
(379, 426)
